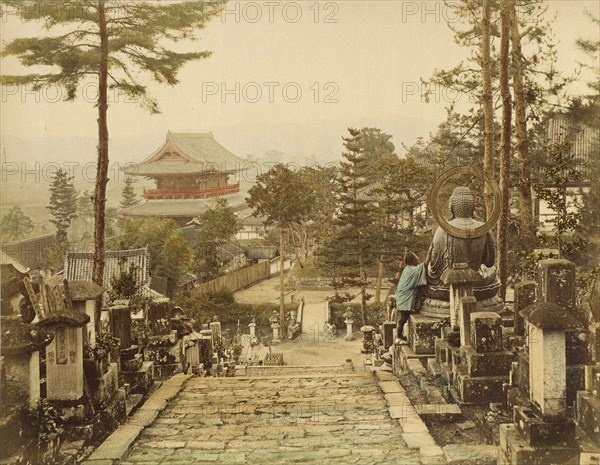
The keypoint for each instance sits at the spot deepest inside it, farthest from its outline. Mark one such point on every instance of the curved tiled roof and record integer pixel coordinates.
(195, 153)
(182, 208)
(79, 265)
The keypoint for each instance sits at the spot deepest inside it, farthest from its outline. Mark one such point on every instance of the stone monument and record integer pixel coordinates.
(462, 240)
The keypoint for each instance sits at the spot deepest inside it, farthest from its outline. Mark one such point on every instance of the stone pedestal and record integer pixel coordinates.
(103, 388)
(483, 366)
(461, 280)
(422, 332)
(588, 414)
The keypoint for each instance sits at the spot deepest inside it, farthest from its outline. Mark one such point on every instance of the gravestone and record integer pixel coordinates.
(524, 297)
(159, 315)
(120, 324)
(64, 355)
(215, 327)
(541, 431)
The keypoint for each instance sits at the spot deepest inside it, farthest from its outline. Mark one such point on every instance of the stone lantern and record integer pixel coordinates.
(349, 322)
(252, 328)
(274, 320)
(21, 343)
(20, 376)
(542, 432)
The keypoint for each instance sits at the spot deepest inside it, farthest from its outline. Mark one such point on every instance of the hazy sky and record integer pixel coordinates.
(283, 75)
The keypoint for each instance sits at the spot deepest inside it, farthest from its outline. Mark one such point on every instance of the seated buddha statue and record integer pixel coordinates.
(478, 252)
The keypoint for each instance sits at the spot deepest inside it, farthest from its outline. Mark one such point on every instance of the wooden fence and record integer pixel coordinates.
(236, 279)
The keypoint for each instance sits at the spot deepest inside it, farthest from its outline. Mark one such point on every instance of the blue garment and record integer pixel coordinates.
(408, 286)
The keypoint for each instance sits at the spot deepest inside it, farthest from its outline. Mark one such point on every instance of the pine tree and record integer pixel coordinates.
(63, 203)
(16, 224)
(177, 258)
(353, 248)
(128, 196)
(284, 199)
(216, 226)
(114, 42)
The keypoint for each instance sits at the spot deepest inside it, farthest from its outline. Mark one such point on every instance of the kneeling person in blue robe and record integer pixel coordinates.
(414, 275)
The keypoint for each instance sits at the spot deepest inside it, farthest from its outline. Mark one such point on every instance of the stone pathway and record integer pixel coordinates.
(307, 416)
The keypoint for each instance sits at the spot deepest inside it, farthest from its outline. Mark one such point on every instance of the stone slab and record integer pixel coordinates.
(388, 387)
(418, 440)
(402, 412)
(468, 454)
(396, 398)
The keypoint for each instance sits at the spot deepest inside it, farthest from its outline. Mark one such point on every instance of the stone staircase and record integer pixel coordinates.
(304, 416)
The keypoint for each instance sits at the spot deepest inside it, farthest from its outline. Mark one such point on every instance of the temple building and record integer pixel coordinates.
(191, 170)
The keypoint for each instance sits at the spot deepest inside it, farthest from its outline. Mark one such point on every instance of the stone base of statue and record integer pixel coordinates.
(437, 300)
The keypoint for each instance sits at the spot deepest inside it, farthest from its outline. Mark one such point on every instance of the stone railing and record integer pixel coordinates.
(190, 193)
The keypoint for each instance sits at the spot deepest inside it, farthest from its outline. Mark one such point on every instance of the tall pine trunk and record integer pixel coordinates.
(488, 104)
(363, 288)
(504, 145)
(380, 271)
(102, 168)
(281, 285)
(524, 189)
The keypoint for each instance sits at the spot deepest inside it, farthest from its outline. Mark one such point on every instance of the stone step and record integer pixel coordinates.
(304, 418)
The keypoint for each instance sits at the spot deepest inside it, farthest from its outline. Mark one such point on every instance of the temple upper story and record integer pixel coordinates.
(189, 166)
